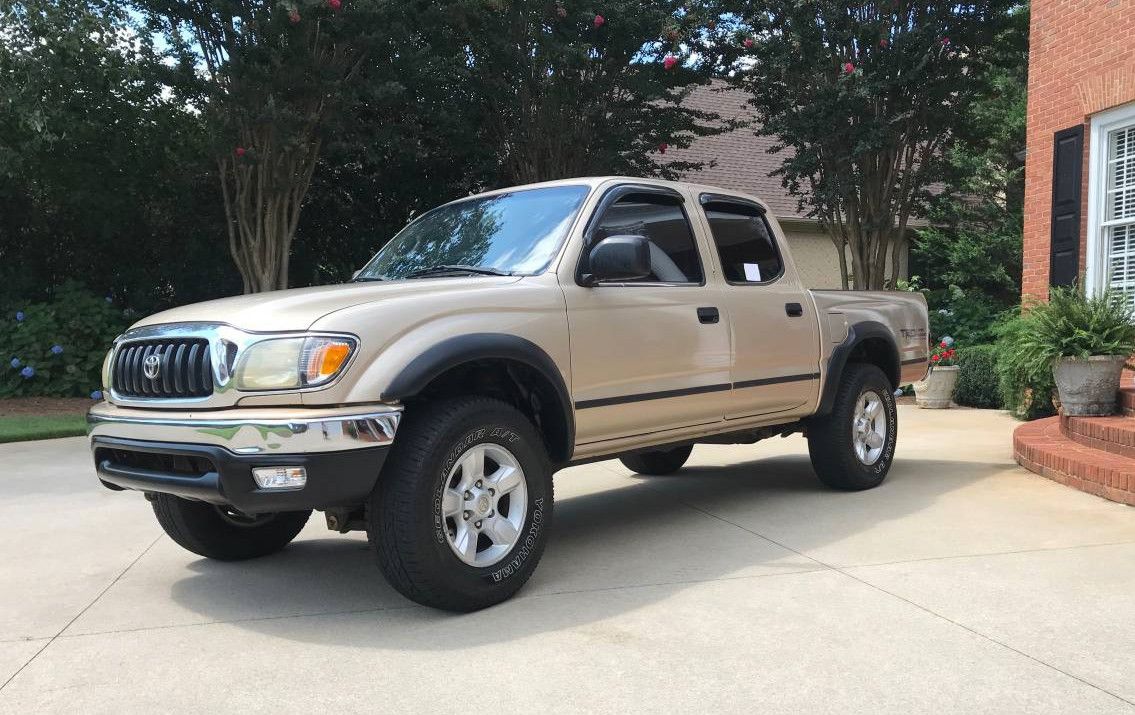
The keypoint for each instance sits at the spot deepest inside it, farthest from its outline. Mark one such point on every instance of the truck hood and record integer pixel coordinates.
(297, 308)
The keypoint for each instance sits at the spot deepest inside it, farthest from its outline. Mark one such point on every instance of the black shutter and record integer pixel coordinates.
(1067, 173)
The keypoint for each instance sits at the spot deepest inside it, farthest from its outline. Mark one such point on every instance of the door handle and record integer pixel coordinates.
(793, 310)
(708, 315)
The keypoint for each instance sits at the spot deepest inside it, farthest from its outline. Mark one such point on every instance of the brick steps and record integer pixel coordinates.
(1086, 453)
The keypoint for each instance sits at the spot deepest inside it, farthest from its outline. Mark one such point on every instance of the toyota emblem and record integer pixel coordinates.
(152, 366)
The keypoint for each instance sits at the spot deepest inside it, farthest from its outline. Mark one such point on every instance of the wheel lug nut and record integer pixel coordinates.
(477, 524)
(466, 514)
(468, 495)
(479, 484)
(492, 492)
(491, 514)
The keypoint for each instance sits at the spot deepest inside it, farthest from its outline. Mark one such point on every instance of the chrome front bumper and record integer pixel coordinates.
(253, 431)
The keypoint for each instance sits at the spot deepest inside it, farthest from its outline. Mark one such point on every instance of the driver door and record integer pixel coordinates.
(650, 354)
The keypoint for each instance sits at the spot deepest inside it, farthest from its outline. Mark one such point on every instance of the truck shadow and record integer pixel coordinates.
(612, 551)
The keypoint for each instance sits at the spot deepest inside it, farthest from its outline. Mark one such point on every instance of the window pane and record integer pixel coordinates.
(1121, 260)
(673, 253)
(1121, 175)
(747, 249)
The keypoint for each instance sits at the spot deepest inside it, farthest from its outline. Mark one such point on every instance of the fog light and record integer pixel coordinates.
(280, 477)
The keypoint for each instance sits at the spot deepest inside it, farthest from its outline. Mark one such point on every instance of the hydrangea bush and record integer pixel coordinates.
(56, 348)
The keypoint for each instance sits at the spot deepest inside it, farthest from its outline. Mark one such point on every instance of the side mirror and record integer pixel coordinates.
(619, 258)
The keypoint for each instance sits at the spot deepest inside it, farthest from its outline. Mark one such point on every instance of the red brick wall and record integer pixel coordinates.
(1082, 61)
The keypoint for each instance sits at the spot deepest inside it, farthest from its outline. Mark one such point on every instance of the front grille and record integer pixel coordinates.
(185, 370)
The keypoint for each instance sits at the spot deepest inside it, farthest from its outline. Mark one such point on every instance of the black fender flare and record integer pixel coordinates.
(461, 349)
(856, 334)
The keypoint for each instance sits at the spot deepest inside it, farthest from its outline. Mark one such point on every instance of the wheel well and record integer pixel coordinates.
(515, 382)
(878, 352)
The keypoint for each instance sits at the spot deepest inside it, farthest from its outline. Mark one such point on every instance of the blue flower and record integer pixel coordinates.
(96, 395)
(109, 299)
(28, 372)
(948, 341)
(15, 362)
(19, 316)
(56, 349)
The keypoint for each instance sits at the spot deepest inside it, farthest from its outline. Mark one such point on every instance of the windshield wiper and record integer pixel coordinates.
(456, 268)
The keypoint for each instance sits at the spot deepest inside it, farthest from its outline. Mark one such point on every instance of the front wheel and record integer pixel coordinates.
(853, 446)
(461, 513)
(223, 533)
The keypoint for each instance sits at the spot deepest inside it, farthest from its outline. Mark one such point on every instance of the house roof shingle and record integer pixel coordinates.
(737, 159)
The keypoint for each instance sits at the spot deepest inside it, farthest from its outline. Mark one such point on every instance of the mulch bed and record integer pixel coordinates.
(17, 406)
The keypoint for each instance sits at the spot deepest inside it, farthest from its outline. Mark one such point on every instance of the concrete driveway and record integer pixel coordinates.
(962, 584)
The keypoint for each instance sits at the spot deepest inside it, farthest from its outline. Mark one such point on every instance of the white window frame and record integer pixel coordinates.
(1102, 124)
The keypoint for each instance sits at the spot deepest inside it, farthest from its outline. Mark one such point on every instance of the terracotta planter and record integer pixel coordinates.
(936, 391)
(1088, 386)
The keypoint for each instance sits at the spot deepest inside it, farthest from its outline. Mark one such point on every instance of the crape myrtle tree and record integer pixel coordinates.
(579, 87)
(868, 98)
(268, 78)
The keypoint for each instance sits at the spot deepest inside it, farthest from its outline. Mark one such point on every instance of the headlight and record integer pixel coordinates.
(106, 372)
(292, 362)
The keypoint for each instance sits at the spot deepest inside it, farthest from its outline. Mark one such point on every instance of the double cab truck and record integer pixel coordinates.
(493, 341)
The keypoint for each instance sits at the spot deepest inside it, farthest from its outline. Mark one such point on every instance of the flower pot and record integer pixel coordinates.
(935, 391)
(1088, 386)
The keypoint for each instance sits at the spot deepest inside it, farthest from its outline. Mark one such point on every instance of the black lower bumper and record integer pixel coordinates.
(213, 474)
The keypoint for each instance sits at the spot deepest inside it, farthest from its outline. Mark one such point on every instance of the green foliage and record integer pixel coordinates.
(871, 98)
(57, 348)
(1027, 388)
(978, 384)
(1070, 324)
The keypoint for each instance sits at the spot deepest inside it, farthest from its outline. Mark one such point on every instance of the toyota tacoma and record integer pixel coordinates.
(491, 342)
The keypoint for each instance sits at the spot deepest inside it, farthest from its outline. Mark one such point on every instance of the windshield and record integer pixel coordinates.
(510, 233)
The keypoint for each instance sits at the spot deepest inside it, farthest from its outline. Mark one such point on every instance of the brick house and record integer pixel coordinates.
(1080, 213)
(1080, 169)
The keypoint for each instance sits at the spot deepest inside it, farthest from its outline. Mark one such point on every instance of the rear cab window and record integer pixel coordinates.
(744, 241)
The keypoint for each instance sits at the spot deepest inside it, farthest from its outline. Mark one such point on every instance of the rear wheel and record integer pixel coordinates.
(657, 462)
(223, 533)
(461, 513)
(853, 446)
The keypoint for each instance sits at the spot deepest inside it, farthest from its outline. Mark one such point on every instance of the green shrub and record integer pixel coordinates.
(57, 348)
(1071, 324)
(1026, 387)
(978, 385)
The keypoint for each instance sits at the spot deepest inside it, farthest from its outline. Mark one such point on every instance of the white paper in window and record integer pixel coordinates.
(752, 272)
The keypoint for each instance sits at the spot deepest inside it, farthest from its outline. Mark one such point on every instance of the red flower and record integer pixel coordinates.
(334, 5)
(945, 41)
(239, 151)
(748, 42)
(599, 21)
(663, 147)
(934, 358)
(669, 62)
(561, 11)
(884, 42)
(943, 344)
(848, 68)
(294, 16)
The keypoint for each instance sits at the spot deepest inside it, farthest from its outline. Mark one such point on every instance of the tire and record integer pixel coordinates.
(416, 518)
(659, 462)
(216, 533)
(832, 438)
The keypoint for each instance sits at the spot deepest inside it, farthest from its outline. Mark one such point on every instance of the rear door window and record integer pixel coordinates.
(744, 242)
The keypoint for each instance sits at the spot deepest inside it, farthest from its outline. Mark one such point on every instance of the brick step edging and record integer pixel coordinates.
(1042, 448)
(1115, 434)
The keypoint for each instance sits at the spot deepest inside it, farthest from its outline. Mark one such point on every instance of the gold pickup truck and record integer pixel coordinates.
(493, 341)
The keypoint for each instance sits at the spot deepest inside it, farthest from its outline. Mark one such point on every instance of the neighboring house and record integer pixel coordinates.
(1080, 169)
(739, 160)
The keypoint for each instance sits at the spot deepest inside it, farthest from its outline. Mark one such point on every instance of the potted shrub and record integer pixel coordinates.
(936, 391)
(1085, 341)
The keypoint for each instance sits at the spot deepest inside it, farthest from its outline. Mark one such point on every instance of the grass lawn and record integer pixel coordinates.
(25, 427)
